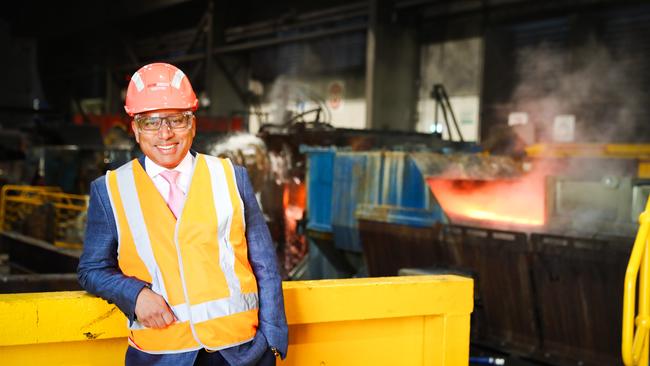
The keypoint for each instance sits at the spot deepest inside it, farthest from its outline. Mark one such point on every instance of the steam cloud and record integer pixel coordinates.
(601, 90)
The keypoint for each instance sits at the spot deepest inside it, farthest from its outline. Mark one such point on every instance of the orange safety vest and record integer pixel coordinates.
(198, 263)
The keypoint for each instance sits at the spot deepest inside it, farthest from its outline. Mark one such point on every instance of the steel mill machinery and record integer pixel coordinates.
(546, 237)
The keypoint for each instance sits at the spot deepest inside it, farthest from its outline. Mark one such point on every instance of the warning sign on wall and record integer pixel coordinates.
(335, 93)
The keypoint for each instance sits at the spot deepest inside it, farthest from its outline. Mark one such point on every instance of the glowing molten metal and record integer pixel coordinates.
(518, 201)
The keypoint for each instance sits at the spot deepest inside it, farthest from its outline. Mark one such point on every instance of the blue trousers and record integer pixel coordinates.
(215, 359)
(200, 358)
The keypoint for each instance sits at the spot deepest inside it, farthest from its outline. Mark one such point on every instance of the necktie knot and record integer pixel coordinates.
(170, 176)
(176, 195)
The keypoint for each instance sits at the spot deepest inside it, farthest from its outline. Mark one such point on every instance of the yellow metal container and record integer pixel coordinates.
(420, 320)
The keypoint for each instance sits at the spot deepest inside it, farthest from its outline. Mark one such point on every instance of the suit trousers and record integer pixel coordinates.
(200, 358)
(215, 359)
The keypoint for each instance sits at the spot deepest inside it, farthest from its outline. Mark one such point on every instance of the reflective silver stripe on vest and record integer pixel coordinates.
(224, 307)
(110, 199)
(211, 309)
(135, 220)
(240, 200)
(224, 218)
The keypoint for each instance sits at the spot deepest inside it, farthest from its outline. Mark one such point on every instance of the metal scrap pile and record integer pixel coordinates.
(467, 166)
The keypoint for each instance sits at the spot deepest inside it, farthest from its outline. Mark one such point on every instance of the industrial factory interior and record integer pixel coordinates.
(442, 182)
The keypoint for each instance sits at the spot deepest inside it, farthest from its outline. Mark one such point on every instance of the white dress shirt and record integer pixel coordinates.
(183, 181)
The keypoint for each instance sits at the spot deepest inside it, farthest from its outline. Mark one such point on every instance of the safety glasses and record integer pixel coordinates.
(175, 121)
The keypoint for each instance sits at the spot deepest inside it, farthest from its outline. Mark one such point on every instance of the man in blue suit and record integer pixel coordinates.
(120, 264)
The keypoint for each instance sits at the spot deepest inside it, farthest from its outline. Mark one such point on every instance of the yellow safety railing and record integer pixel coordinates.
(417, 321)
(589, 150)
(634, 342)
(638, 152)
(18, 212)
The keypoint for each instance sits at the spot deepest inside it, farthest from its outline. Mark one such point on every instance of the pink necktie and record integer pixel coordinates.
(176, 196)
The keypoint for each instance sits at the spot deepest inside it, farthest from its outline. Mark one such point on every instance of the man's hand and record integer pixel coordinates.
(152, 310)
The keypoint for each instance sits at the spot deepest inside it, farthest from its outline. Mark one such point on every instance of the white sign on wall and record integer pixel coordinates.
(564, 127)
(517, 118)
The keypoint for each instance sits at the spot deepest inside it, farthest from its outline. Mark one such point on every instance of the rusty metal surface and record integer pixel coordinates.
(388, 247)
(552, 298)
(579, 285)
(466, 166)
(499, 261)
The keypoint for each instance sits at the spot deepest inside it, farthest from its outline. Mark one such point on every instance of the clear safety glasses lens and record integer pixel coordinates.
(179, 121)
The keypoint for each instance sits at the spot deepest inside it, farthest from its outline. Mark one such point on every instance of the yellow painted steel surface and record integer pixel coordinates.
(634, 340)
(576, 150)
(644, 169)
(420, 320)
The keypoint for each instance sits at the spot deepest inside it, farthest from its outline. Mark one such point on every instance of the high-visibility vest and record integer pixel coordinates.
(198, 263)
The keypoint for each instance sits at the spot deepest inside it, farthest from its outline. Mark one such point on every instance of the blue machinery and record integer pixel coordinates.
(343, 185)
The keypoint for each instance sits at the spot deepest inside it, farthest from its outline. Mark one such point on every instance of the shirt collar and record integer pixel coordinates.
(184, 167)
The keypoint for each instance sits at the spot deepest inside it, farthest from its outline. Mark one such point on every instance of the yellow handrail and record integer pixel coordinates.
(24, 194)
(18, 202)
(634, 343)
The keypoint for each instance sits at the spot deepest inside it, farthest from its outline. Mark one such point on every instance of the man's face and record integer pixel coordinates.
(166, 146)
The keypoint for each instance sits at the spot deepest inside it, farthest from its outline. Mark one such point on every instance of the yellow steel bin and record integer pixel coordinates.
(420, 320)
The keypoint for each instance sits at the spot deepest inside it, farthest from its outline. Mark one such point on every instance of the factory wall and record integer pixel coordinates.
(21, 87)
(224, 93)
(458, 66)
(586, 73)
(391, 69)
(341, 95)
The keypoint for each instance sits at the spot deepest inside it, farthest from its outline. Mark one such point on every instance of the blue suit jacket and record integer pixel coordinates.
(99, 274)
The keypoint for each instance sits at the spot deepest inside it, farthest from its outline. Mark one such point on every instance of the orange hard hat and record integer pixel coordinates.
(159, 86)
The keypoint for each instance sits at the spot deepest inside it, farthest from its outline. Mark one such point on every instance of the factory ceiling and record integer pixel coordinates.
(50, 20)
(72, 18)
(83, 42)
